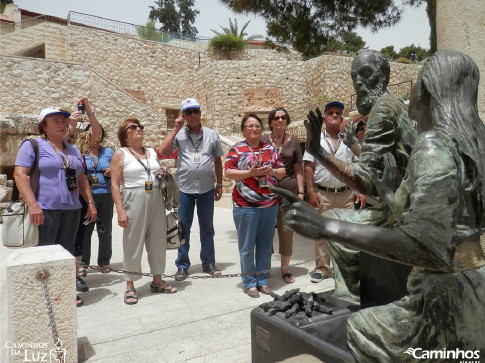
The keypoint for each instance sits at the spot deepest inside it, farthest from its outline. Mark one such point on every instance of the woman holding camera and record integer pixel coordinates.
(140, 208)
(56, 208)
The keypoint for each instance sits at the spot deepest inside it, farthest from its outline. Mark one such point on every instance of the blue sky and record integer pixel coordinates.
(413, 28)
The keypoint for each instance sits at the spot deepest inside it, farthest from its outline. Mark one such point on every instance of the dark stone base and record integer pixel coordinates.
(274, 338)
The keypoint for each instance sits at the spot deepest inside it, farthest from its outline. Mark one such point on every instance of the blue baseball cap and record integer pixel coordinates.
(334, 104)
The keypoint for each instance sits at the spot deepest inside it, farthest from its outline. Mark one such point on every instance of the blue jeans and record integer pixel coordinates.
(205, 213)
(60, 227)
(255, 228)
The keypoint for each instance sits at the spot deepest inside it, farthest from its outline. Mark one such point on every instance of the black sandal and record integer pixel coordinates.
(133, 296)
(82, 270)
(79, 301)
(157, 288)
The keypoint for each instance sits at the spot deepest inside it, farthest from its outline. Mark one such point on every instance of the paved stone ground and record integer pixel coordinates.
(207, 320)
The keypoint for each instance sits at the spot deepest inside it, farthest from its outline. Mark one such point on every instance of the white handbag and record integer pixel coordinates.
(175, 237)
(17, 231)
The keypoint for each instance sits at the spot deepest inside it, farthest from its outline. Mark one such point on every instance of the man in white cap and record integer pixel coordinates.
(199, 165)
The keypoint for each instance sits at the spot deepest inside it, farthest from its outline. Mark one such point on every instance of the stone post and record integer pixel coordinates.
(29, 326)
(460, 25)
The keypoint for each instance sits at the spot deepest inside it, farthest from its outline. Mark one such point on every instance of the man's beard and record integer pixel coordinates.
(366, 100)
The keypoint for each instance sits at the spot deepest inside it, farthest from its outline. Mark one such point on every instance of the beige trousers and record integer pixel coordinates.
(328, 200)
(147, 228)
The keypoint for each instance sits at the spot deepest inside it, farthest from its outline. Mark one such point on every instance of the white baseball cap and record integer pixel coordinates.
(189, 103)
(51, 111)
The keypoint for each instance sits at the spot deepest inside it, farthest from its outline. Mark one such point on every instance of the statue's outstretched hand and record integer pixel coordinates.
(313, 127)
(349, 134)
(385, 184)
(299, 215)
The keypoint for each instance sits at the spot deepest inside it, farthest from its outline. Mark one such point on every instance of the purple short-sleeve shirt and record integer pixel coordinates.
(53, 193)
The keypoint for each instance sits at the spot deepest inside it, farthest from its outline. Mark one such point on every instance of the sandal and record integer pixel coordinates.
(105, 269)
(212, 270)
(79, 301)
(168, 289)
(131, 299)
(288, 278)
(82, 270)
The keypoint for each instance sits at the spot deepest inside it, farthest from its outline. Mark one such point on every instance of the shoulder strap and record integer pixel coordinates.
(34, 173)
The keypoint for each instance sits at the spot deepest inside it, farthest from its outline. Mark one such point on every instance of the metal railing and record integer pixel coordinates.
(119, 27)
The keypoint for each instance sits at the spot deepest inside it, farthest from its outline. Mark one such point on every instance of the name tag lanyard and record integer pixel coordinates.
(70, 173)
(148, 183)
(263, 181)
(93, 179)
(332, 150)
(196, 146)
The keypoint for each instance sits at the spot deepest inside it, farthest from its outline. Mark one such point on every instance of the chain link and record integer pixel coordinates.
(43, 276)
(195, 277)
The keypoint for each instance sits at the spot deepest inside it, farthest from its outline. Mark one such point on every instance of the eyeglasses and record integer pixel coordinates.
(250, 127)
(283, 117)
(191, 111)
(134, 127)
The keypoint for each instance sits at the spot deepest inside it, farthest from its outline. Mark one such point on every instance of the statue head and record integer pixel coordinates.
(446, 92)
(370, 76)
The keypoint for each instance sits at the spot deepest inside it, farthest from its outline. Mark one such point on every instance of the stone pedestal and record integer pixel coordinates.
(29, 325)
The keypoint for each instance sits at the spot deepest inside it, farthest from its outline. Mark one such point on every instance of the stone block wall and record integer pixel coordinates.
(221, 85)
(33, 84)
(53, 36)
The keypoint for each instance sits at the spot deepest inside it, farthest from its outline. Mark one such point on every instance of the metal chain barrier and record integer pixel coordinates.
(195, 277)
(43, 276)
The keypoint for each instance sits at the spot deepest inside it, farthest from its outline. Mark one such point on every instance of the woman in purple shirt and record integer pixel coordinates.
(56, 208)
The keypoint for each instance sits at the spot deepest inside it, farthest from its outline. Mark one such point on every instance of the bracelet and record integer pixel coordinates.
(90, 201)
(218, 185)
(90, 114)
(300, 193)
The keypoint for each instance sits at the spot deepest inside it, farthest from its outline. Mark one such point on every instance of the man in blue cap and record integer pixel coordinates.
(199, 165)
(324, 190)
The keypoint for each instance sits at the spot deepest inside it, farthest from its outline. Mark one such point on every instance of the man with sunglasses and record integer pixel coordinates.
(324, 190)
(199, 165)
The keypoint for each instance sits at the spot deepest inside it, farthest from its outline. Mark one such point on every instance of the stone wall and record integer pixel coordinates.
(30, 84)
(53, 37)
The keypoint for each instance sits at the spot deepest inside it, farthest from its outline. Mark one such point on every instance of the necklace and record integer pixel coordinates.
(271, 138)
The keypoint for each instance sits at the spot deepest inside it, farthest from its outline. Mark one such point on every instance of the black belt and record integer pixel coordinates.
(333, 190)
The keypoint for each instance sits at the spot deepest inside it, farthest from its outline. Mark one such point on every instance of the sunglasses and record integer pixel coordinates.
(330, 113)
(134, 127)
(191, 111)
(283, 117)
(361, 128)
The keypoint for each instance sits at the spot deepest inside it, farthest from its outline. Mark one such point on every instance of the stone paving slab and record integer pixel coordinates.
(207, 320)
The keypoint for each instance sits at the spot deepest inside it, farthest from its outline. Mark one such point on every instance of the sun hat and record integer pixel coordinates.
(51, 111)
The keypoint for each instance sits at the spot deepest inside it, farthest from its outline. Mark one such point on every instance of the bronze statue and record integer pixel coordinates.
(438, 216)
(388, 130)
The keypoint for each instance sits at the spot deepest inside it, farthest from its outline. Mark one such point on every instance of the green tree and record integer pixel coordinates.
(416, 54)
(149, 31)
(389, 52)
(234, 30)
(309, 24)
(352, 42)
(176, 16)
(4, 3)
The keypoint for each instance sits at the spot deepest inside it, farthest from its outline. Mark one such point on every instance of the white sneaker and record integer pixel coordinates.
(317, 277)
